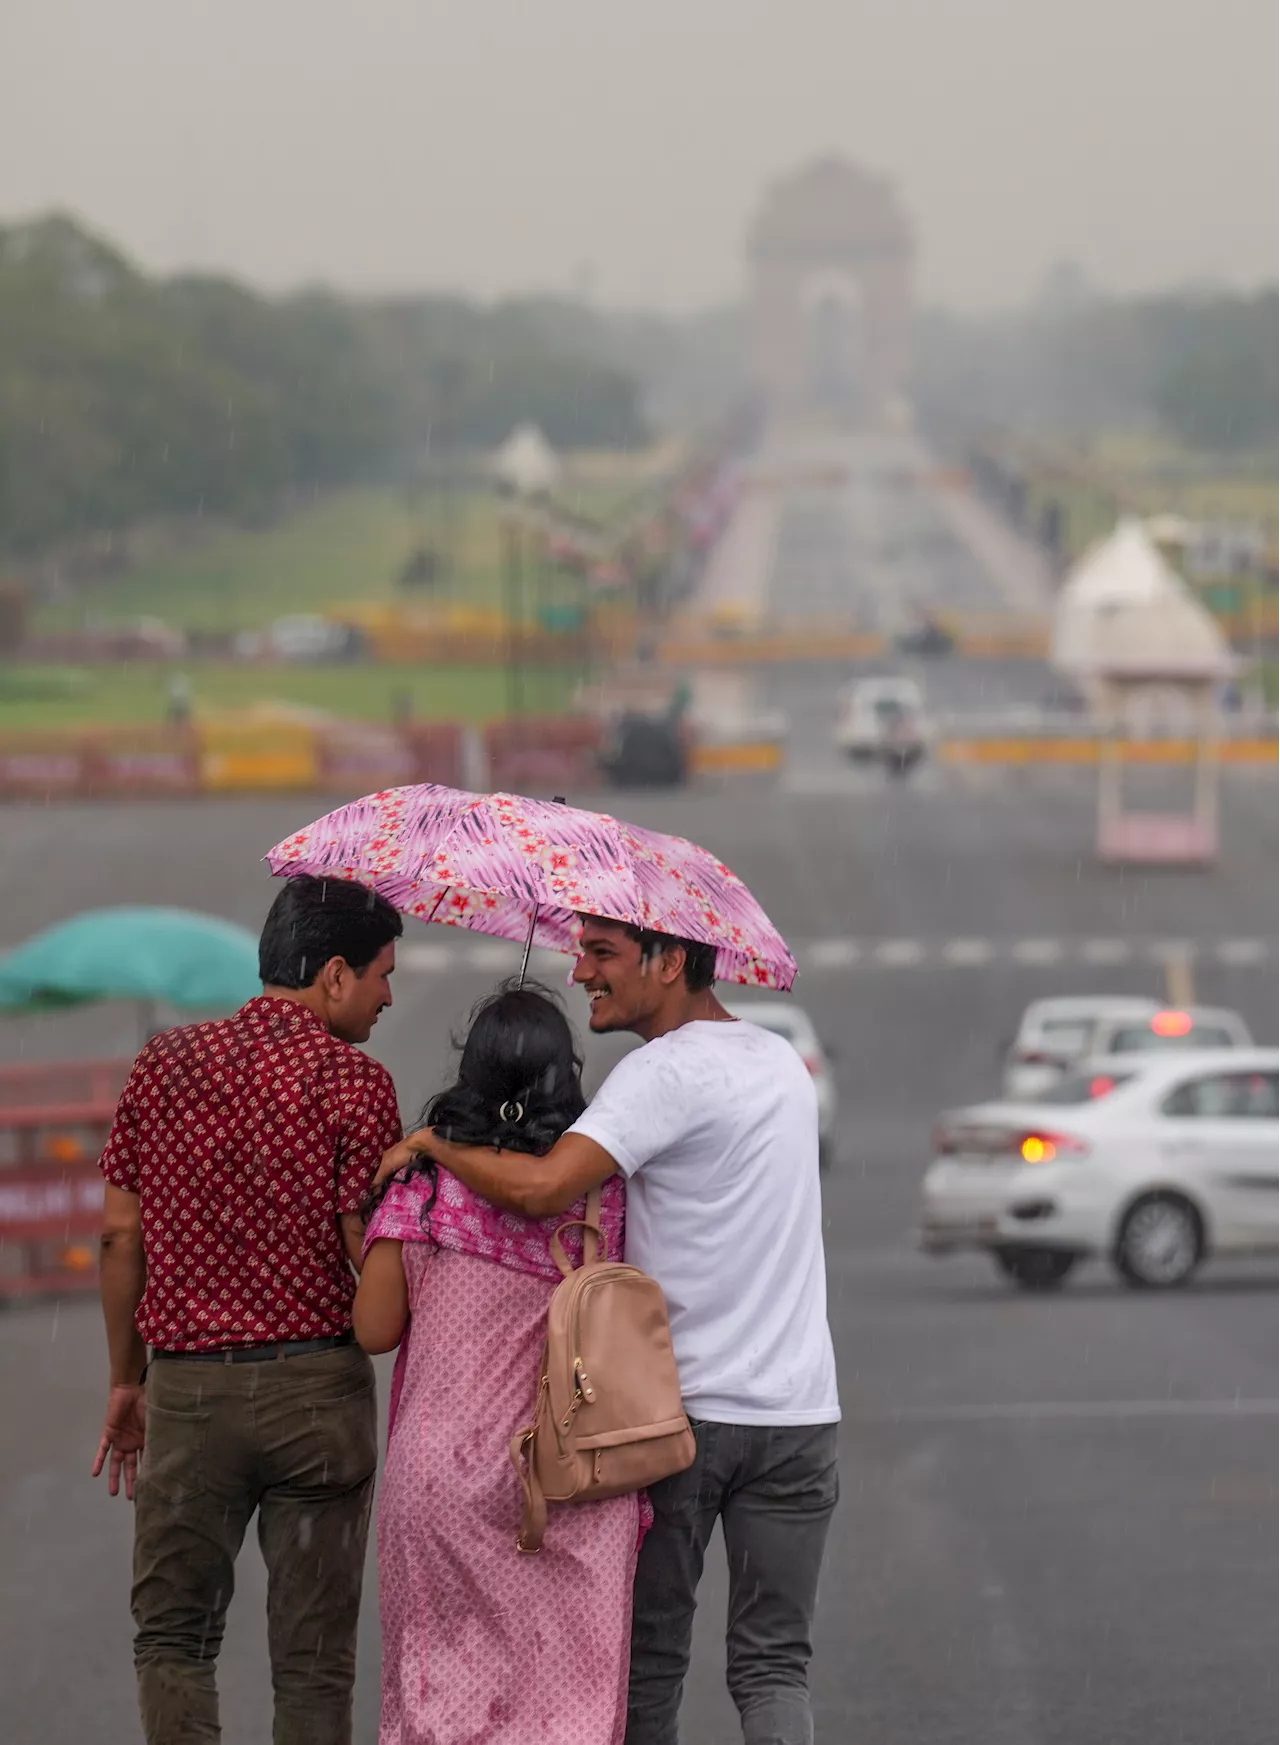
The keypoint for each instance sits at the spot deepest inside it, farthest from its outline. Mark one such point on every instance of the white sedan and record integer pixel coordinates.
(1153, 1161)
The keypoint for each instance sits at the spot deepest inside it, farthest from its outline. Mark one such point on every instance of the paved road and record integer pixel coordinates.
(1058, 1515)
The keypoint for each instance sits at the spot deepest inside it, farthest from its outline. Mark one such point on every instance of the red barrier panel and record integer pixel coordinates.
(140, 762)
(54, 1119)
(50, 1220)
(436, 750)
(40, 769)
(542, 756)
(356, 759)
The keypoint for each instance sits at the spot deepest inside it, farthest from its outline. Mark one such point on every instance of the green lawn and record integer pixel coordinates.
(346, 548)
(35, 697)
(1146, 475)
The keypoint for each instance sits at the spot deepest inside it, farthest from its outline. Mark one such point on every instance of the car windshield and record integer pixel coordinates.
(1065, 1035)
(1137, 1038)
(1084, 1087)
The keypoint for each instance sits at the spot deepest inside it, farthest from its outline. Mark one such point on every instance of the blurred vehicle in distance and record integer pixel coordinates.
(883, 720)
(303, 636)
(1153, 1161)
(795, 1026)
(1054, 1033)
(927, 639)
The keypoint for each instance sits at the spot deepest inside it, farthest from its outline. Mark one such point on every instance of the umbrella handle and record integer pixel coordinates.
(533, 922)
(528, 946)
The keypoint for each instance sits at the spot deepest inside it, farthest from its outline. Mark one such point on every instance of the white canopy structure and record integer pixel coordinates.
(526, 463)
(1149, 658)
(1124, 613)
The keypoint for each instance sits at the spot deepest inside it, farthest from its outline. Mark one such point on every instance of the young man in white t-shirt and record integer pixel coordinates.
(714, 1123)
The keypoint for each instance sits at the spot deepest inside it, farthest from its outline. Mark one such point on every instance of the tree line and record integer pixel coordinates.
(125, 397)
(1200, 365)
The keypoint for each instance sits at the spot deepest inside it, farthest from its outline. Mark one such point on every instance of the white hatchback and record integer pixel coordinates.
(1055, 1033)
(1153, 1161)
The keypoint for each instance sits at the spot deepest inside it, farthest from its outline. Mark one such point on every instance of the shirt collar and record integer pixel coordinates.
(271, 1009)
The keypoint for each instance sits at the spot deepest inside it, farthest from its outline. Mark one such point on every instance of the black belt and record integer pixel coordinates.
(259, 1353)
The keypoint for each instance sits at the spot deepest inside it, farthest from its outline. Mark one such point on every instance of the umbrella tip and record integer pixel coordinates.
(558, 800)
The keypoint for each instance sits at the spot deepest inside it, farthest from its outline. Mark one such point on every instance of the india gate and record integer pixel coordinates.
(829, 258)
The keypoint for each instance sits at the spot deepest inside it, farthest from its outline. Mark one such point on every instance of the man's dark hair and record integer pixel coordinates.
(699, 959)
(313, 920)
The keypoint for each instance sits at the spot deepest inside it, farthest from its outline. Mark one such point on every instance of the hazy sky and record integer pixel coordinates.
(492, 145)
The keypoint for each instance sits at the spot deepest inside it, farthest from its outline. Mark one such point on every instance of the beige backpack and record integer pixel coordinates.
(609, 1417)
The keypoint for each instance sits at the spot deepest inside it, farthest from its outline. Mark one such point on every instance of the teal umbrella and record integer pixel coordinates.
(171, 957)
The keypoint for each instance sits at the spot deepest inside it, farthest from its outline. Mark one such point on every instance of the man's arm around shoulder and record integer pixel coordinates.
(536, 1187)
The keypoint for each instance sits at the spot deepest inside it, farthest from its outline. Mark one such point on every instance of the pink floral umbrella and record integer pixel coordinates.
(526, 869)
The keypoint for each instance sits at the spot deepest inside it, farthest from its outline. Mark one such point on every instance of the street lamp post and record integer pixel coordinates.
(526, 467)
(513, 542)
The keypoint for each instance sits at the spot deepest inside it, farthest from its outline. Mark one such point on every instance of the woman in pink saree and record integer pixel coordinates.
(481, 1644)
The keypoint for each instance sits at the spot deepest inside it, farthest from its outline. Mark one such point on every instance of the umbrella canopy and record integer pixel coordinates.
(184, 959)
(521, 869)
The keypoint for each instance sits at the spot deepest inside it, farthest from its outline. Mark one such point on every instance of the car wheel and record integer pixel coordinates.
(1161, 1243)
(1035, 1269)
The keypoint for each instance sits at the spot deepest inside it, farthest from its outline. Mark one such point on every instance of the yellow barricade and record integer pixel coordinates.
(764, 755)
(253, 756)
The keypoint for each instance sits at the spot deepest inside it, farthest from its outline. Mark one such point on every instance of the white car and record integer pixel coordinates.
(1151, 1160)
(883, 720)
(1056, 1033)
(795, 1026)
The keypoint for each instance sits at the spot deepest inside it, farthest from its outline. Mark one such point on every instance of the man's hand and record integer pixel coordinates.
(123, 1435)
(411, 1147)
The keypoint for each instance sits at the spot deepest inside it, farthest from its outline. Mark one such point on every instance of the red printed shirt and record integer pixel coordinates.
(244, 1140)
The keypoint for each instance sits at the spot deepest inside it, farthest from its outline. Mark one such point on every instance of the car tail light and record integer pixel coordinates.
(1035, 1057)
(1030, 1144)
(1042, 1147)
(813, 1063)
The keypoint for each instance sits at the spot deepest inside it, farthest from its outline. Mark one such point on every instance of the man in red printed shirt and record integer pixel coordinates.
(239, 1158)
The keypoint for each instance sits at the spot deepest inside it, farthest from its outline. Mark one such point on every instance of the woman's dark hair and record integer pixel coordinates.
(313, 920)
(519, 1082)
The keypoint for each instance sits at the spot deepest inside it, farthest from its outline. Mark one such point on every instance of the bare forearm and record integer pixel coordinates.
(536, 1187)
(122, 1280)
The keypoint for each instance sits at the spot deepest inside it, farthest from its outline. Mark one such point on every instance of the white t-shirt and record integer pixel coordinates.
(716, 1127)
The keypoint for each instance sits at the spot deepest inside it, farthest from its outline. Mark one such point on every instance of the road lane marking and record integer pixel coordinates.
(967, 951)
(832, 953)
(1240, 953)
(899, 953)
(835, 955)
(421, 957)
(1038, 950)
(1106, 951)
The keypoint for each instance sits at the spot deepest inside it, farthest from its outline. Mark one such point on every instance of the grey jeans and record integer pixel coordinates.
(775, 1488)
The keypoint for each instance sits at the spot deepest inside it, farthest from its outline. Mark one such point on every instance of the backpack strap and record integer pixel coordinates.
(533, 1522)
(595, 1245)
